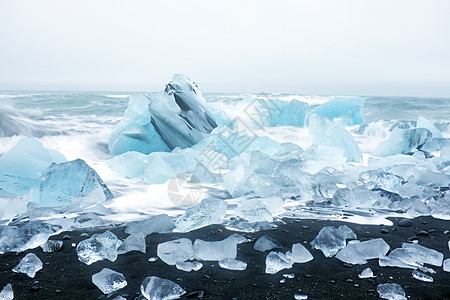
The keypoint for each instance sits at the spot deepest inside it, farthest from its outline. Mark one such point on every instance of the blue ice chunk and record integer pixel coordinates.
(98, 247)
(62, 183)
(130, 164)
(209, 211)
(424, 123)
(403, 141)
(283, 113)
(348, 109)
(436, 144)
(135, 131)
(21, 167)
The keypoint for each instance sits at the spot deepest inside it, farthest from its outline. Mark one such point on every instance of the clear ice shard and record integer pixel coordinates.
(87, 220)
(209, 211)
(135, 132)
(366, 273)
(358, 253)
(7, 292)
(266, 243)
(446, 265)
(155, 288)
(189, 266)
(52, 246)
(403, 141)
(277, 261)
(98, 247)
(421, 276)
(175, 251)
(63, 183)
(391, 291)
(349, 110)
(233, 264)
(331, 239)
(299, 254)
(218, 250)
(159, 223)
(29, 265)
(134, 242)
(109, 281)
(424, 255)
(21, 167)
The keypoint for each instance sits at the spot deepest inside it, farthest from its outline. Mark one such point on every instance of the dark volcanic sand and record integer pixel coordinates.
(64, 277)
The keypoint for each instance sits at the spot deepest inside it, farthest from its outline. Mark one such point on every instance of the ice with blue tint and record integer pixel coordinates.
(379, 179)
(135, 131)
(349, 110)
(233, 264)
(403, 141)
(333, 134)
(391, 291)
(21, 167)
(436, 144)
(277, 261)
(172, 252)
(7, 292)
(360, 252)
(265, 243)
(209, 211)
(155, 288)
(331, 239)
(424, 123)
(109, 281)
(29, 265)
(282, 113)
(252, 210)
(159, 223)
(134, 242)
(98, 247)
(299, 254)
(63, 183)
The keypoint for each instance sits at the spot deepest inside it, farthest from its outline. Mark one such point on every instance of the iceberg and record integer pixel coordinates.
(173, 252)
(155, 288)
(266, 243)
(209, 211)
(63, 183)
(391, 291)
(349, 110)
(98, 247)
(21, 167)
(403, 141)
(331, 239)
(7, 292)
(29, 265)
(109, 281)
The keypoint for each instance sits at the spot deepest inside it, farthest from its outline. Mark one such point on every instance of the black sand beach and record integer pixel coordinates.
(65, 277)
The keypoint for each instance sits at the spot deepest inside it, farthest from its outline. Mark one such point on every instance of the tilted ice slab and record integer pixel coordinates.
(98, 247)
(63, 183)
(266, 243)
(299, 254)
(134, 242)
(424, 123)
(348, 109)
(391, 291)
(21, 167)
(155, 288)
(219, 250)
(412, 256)
(29, 265)
(360, 252)
(173, 252)
(331, 239)
(209, 211)
(109, 281)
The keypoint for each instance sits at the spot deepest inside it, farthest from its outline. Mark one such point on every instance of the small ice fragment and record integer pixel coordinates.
(7, 292)
(52, 246)
(175, 251)
(447, 265)
(331, 239)
(215, 251)
(155, 288)
(134, 242)
(289, 276)
(188, 266)
(233, 264)
(277, 261)
(29, 265)
(265, 243)
(300, 297)
(152, 259)
(299, 254)
(109, 281)
(366, 273)
(421, 276)
(391, 291)
(98, 247)
(119, 298)
(283, 280)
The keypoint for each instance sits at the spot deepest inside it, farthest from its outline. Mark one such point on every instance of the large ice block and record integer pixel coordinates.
(424, 123)
(209, 211)
(348, 109)
(218, 250)
(21, 167)
(109, 281)
(29, 265)
(98, 247)
(175, 251)
(403, 141)
(155, 288)
(358, 253)
(63, 183)
(379, 179)
(275, 112)
(331, 239)
(253, 210)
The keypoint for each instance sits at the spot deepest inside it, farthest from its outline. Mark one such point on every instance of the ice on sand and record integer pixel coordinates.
(155, 288)
(412, 256)
(446, 265)
(218, 250)
(277, 261)
(358, 253)
(189, 266)
(348, 109)
(209, 211)
(266, 243)
(391, 291)
(299, 254)
(366, 273)
(29, 265)
(331, 239)
(98, 247)
(109, 281)
(62, 183)
(233, 264)
(424, 254)
(159, 223)
(7, 292)
(175, 251)
(52, 246)
(134, 242)
(421, 276)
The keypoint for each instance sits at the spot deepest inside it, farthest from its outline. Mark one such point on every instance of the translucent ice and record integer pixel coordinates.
(403, 141)
(266, 243)
(88, 220)
(7, 292)
(175, 251)
(348, 110)
(424, 123)
(189, 266)
(21, 167)
(366, 273)
(379, 179)
(215, 251)
(358, 253)
(159, 223)
(391, 291)
(282, 113)
(155, 288)
(233, 264)
(253, 210)
(29, 265)
(209, 211)
(52, 246)
(98, 247)
(331, 239)
(134, 242)
(421, 276)
(446, 265)
(277, 261)
(62, 183)
(412, 256)
(424, 255)
(109, 281)
(299, 254)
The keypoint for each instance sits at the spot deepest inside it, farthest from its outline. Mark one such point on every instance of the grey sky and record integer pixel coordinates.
(380, 47)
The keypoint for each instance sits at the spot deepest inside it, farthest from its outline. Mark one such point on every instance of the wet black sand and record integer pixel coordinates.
(64, 277)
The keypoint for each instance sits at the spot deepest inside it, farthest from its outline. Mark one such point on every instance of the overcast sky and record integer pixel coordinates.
(380, 47)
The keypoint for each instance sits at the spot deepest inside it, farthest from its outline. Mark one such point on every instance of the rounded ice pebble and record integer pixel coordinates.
(155, 288)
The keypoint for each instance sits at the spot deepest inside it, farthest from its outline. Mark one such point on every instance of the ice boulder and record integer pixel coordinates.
(21, 167)
(7, 292)
(29, 265)
(424, 123)
(189, 266)
(175, 251)
(359, 252)
(391, 291)
(348, 109)
(219, 250)
(253, 210)
(135, 132)
(412, 256)
(209, 211)
(366, 273)
(373, 179)
(159, 223)
(403, 141)
(109, 281)
(65, 182)
(98, 247)
(155, 288)
(331, 239)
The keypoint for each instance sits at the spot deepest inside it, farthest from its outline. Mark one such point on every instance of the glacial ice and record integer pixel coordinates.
(175, 251)
(275, 112)
(412, 256)
(403, 141)
(21, 167)
(424, 255)
(52, 246)
(29, 265)
(134, 242)
(63, 183)
(209, 211)
(446, 265)
(366, 273)
(109, 281)
(424, 123)
(331, 239)
(359, 253)
(266, 243)
(378, 179)
(233, 264)
(391, 291)
(299, 254)
(253, 210)
(98, 247)
(349, 110)
(159, 223)
(218, 250)
(421, 276)
(189, 266)
(7, 292)
(277, 261)
(155, 288)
